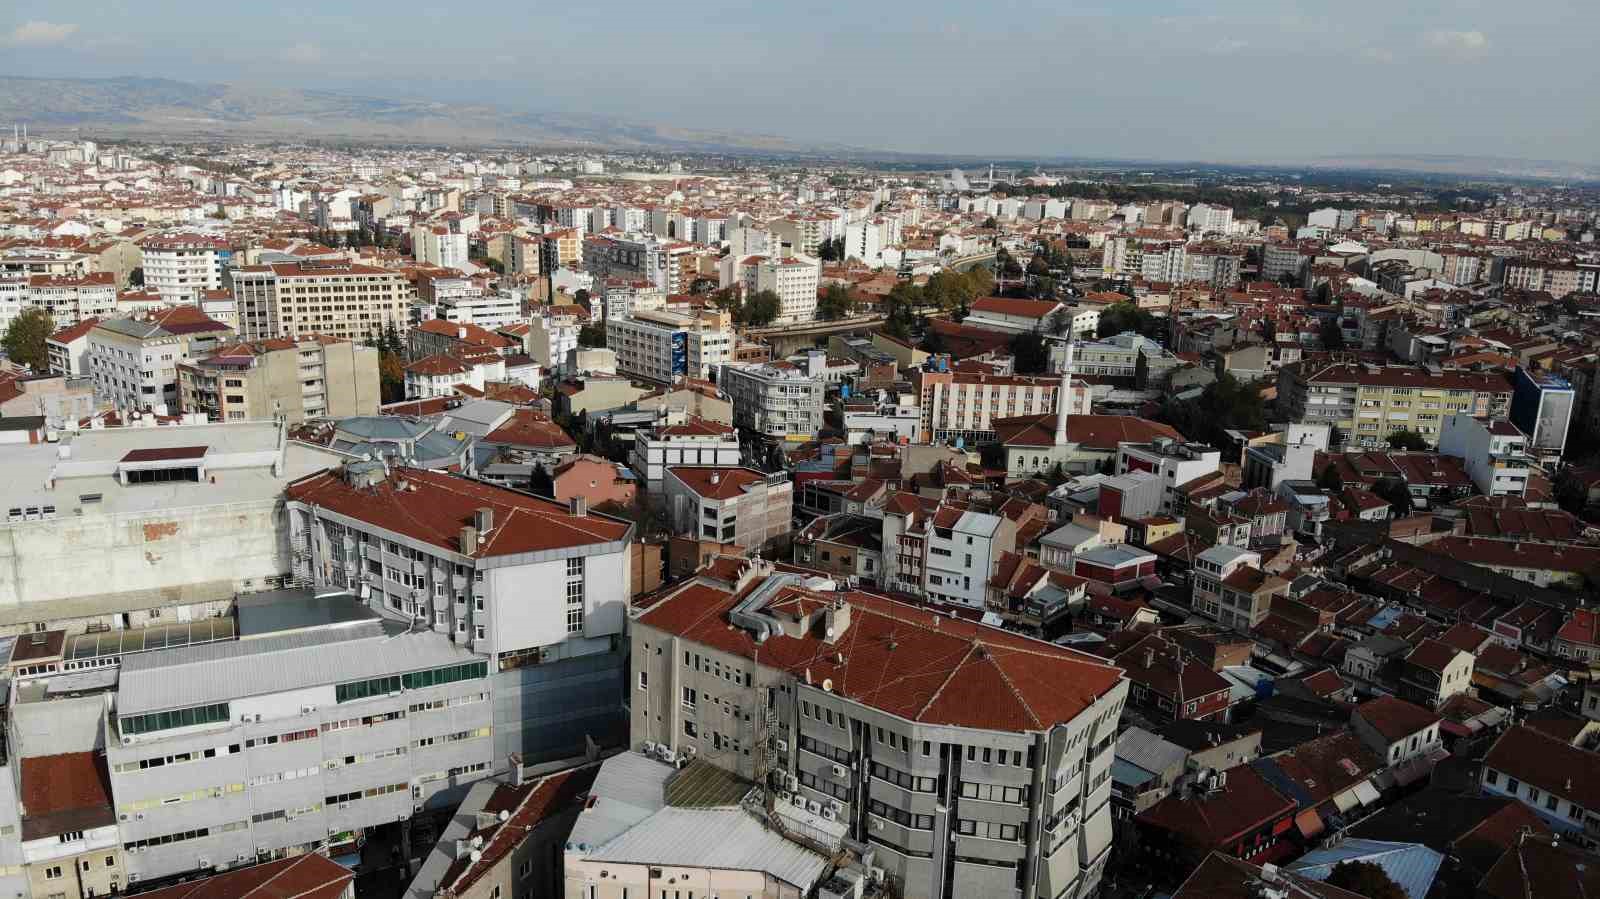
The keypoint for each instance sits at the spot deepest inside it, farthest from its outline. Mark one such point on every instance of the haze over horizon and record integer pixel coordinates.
(1150, 79)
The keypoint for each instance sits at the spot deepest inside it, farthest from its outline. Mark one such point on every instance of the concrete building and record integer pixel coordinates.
(793, 279)
(1494, 453)
(184, 548)
(68, 349)
(316, 377)
(1363, 404)
(740, 509)
(666, 346)
(440, 246)
(774, 399)
(181, 266)
(134, 361)
(959, 790)
(1211, 569)
(463, 558)
(72, 299)
(1175, 463)
(965, 405)
(682, 440)
(328, 297)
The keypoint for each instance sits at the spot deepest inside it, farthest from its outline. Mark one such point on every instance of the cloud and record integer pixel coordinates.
(38, 33)
(1457, 43)
(303, 52)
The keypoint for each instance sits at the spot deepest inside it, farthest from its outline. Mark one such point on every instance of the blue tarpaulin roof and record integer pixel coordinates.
(1411, 865)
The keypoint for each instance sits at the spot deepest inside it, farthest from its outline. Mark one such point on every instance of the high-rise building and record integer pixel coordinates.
(794, 280)
(664, 346)
(1541, 406)
(810, 691)
(181, 266)
(329, 298)
(777, 399)
(134, 361)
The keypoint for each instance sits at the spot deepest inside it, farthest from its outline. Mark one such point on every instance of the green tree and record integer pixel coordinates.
(136, 276)
(834, 303)
(1059, 323)
(1332, 335)
(1120, 317)
(1406, 439)
(980, 281)
(1397, 494)
(1365, 879)
(1029, 353)
(1330, 479)
(592, 336)
(24, 340)
(990, 224)
(761, 308)
(493, 265)
(1227, 404)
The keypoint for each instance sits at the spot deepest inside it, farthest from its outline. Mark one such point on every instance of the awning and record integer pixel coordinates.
(1308, 823)
(1366, 792)
(1346, 801)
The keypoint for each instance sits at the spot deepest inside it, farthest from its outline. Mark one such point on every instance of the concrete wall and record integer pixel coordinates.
(101, 559)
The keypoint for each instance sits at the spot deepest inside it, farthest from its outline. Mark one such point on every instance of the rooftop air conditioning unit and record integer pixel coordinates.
(649, 747)
(812, 806)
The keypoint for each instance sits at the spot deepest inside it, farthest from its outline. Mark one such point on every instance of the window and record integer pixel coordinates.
(644, 680)
(52, 873)
(1492, 778)
(154, 721)
(688, 699)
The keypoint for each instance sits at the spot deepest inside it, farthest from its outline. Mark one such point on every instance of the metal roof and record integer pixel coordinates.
(1411, 865)
(629, 788)
(288, 610)
(218, 672)
(1149, 751)
(729, 839)
(84, 647)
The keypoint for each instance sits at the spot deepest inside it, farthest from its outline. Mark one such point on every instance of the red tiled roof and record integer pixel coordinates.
(717, 483)
(1432, 655)
(309, 876)
(1549, 763)
(1019, 308)
(1395, 719)
(911, 662)
(1245, 803)
(164, 454)
(64, 793)
(527, 806)
(527, 429)
(436, 506)
(1101, 432)
(74, 332)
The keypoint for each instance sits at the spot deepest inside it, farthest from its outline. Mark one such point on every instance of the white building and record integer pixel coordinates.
(682, 440)
(181, 266)
(665, 346)
(1494, 453)
(1175, 463)
(438, 245)
(794, 280)
(776, 399)
(71, 299)
(1209, 219)
(486, 310)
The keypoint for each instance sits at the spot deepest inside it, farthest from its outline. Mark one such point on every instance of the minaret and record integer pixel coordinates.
(1064, 397)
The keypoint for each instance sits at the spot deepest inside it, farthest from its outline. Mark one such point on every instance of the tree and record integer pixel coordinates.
(761, 308)
(592, 336)
(24, 341)
(834, 303)
(1366, 879)
(1029, 354)
(582, 297)
(990, 224)
(1120, 317)
(1332, 335)
(1397, 494)
(136, 276)
(1405, 439)
(1330, 479)
(1227, 404)
(494, 265)
(1059, 323)
(391, 376)
(980, 281)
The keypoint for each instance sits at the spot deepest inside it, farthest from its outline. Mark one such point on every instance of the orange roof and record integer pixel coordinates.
(309, 876)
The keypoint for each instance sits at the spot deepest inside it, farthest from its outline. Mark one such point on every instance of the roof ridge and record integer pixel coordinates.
(949, 677)
(989, 655)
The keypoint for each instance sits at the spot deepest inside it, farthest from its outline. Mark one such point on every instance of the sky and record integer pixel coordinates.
(1226, 80)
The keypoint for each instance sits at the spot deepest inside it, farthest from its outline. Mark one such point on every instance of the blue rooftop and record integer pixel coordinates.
(1411, 865)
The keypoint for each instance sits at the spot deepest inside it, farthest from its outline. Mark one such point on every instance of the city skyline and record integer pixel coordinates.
(1039, 82)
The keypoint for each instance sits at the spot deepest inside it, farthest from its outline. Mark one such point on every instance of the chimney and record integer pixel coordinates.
(516, 769)
(1149, 657)
(579, 506)
(716, 477)
(469, 541)
(483, 519)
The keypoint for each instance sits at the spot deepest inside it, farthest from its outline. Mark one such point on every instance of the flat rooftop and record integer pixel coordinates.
(282, 611)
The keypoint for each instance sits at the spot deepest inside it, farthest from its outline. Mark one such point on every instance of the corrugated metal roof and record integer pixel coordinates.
(629, 789)
(726, 838)
(218, 672)
(1411, 865)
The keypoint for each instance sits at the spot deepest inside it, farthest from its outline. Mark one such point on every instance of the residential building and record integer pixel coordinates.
(1541, 407)
(1398, 731)
(68, 349)
(333, 298)
(181, 266)
(965, 405)
(553, 333)
(461, 557)
(1171, 683)
(938, 782)
(665, 346)
(1555, 779)
(1247, 597)
(597, 480)
(316, 377)
(1494, 452)
(461, 341)
(794, 280)
(1364, 404)
(439, 245)
(1433, 672)
(70, 299)
(479, 307)
(1211, 568)
(1174, 462)
(308, 876)
(775, 399)
(1128, 357)
(689, 441)
(740, 509)
(134, 361)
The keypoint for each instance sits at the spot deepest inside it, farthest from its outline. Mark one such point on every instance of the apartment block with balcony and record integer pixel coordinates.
(665, 346)
(775, 399)
(1494, 453)
(328, 297)
(1364, 404)
(1211, 569)
(315, 377)
(960, 790)
(134, 361)
(538, 588)
(181, 267)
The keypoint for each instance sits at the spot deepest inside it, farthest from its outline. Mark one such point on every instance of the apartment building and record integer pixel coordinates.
(1494, 453)
(328, 297)
(1363, 404)
(741, 510)
(965, 404)
(316, 377)
(1211, 569)
(438, 337)
(68, 349)
(960, 789)
(775, 399)
(687, 441)
(1555, 278)
(476, 306)
(182, 266)
(440, 246)
(665, 346)
(480, 564)
(1175, 463)
(1541, 406)
(72, 298)
(134, 361)
(793, 279)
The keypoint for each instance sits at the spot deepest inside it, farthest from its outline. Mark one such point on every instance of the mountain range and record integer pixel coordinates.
(163, 108)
